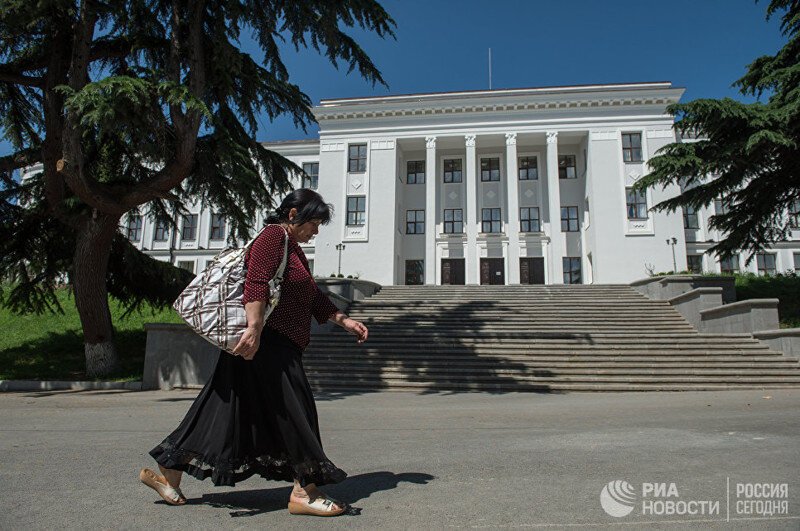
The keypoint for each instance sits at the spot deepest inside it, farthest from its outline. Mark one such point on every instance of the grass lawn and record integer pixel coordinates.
(50, 347)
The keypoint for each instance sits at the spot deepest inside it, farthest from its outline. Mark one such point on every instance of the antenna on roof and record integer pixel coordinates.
(490, 69)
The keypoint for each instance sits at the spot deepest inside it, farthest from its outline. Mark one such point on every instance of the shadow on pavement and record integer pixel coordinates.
(45, 394)
(259, 501)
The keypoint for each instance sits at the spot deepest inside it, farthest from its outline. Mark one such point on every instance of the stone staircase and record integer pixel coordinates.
(536, 338)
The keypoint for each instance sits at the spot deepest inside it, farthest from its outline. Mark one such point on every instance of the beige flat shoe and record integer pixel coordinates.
(317, 507)
(171, 495)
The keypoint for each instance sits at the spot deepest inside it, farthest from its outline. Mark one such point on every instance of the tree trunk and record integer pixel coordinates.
(91, 296)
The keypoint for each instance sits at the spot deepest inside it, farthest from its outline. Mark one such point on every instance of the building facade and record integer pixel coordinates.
(486, 187)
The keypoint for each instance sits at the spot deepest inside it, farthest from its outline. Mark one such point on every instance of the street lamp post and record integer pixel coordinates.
(340, 248)
(672, 241)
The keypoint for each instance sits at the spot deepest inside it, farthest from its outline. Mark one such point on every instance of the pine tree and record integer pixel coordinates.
(143, 105)
(746, 154)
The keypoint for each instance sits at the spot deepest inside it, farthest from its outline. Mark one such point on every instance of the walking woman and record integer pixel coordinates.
(256, 415)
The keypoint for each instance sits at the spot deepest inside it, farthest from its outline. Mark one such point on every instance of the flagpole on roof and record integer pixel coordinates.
(490, 69)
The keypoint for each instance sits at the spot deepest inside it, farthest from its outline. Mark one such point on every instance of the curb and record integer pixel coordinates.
(62, 385)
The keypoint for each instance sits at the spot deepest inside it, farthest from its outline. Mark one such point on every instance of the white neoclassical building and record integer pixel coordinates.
(487, 187)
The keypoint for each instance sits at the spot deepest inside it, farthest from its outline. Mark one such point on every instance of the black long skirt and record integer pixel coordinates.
(252, 417)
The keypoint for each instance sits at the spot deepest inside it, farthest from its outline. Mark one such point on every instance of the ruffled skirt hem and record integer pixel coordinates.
(229, 472)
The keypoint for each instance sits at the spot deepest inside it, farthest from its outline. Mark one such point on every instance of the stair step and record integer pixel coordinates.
(506, 367)
(467, 339)
(589, 360)
(537, 338)
(366, 376)
(334, 385)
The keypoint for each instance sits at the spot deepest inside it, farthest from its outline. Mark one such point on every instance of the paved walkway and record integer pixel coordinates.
(70, 460)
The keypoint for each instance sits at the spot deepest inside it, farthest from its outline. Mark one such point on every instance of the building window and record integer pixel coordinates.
(415, 272)
(766, 263)
(356, 210)
(453, 221)
(311, 177)
(566, 167)
(569, 219)
(357, 158)
(721, 206)
(134, 228)
(794, 215)
(217, 227)
(416, 172)
(528, 169)
(690, 220)
(729, 266)
(189, 229)
(415, 222)
(694, 263)
(632, 147)
(490, 220)
(490, 169)
(452, 170)
(797, 262)
(572, 269)
(161, 232)
(637, 204)
(529, 219)
(188, 265)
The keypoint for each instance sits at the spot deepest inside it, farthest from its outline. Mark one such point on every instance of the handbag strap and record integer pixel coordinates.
(282, 267)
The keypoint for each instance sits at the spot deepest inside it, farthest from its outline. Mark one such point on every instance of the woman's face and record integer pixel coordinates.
(304, 232)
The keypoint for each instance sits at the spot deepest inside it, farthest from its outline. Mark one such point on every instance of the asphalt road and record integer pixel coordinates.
(70, 460)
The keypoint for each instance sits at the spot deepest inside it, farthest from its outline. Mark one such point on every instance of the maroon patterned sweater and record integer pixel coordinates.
(300, 296)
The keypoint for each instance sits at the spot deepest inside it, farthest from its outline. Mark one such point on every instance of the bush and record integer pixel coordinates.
(784, 286)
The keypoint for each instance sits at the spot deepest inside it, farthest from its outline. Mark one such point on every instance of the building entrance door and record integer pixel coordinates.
(453, 271)
(531, 270)
(492, 271)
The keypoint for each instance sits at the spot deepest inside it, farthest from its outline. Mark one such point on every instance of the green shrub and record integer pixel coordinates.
(784, 286)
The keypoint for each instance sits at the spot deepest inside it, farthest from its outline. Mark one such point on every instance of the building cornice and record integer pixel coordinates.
(511, 100)
(294, 147)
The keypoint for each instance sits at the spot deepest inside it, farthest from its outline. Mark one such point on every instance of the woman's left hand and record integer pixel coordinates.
(356, 328)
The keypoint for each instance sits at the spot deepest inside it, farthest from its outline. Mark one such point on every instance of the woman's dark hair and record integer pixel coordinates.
(309, 205)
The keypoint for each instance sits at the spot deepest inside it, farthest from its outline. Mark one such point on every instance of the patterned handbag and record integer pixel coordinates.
(212, 303)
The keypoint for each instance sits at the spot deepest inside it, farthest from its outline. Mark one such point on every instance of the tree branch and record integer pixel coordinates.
(186, 125)
(20, 79)
(71, 166)
(20, 159)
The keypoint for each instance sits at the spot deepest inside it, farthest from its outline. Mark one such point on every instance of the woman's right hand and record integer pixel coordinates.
(248, 344)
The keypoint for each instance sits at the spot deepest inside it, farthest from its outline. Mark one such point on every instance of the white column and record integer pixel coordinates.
(471, 218)
(431, 205)
(512, 230)
(556, 247)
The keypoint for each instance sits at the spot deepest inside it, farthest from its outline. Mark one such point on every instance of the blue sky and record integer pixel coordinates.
(702, 45)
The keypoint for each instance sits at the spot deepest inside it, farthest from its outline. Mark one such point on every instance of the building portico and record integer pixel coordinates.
(517, 186)
(486, 218)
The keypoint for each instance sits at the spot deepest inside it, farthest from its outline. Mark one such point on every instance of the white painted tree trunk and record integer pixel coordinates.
(91, 296)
